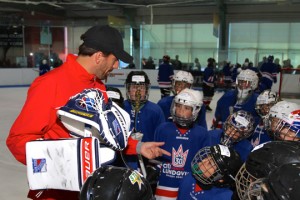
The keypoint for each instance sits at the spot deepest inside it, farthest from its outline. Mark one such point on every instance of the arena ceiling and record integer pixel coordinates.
(133, 12)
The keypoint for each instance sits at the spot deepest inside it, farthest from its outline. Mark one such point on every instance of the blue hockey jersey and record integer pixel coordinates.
(259, 136)
(183, 147)
(243, 147)
(190, 190)
(227, 105)
(149, 117)
(268, 72)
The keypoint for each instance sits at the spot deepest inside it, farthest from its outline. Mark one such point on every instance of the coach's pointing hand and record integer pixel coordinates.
(151, 150)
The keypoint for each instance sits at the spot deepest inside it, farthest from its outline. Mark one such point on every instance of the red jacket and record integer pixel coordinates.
(38, 117)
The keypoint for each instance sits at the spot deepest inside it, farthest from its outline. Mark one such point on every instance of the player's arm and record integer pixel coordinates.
(149, 150)
(34, 121)
(217, 121)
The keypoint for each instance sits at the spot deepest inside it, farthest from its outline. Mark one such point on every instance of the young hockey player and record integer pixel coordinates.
(212, 177)
(237, 128)
(268, 72)
(164, 77)
(209, 82)
(284, 121)
(183, 138)
(263, 104)
(145, 115)
(242, 98)
(181, 80)
(264, 159)
(282, 183)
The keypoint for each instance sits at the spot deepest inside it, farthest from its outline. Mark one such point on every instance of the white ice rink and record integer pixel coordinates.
(13, 174)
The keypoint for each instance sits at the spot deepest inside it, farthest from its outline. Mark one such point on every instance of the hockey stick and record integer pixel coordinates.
(137, 108)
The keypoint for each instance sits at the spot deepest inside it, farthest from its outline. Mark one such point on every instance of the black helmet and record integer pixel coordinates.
(116, 183)
(116, 95)
(281, 184)
(225, 161)
(139, 79)
(264, 159)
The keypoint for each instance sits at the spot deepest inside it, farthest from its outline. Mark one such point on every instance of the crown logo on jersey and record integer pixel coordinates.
(179, 157)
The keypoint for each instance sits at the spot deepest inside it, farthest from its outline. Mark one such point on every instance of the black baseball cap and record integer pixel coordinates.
(107, 39)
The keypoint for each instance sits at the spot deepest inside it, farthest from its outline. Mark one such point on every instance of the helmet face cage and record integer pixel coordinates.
(243, 179)
(264, 159)
(137, 88)
(185, 99)
(281, 183)
(237, 126)
(255, 189)
(181, 80)
(284, 121)
(204, 167)
(264, 102)
(281, 130)
(246, 82)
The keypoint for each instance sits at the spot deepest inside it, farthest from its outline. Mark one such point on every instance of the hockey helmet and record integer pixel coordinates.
(247, 82)
(216, 165)
(264, 159)
(181, 80)
(116, 183)
(137, 87)
(284, 121)
(187, 97)
(116, 95)
(265, 101)
(239, 125)
(281, 184)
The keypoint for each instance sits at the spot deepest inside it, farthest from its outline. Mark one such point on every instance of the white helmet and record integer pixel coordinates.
(265, 101)
(241, 126)
(288, 118)
(188, 97)
(182, 76)
(251, 80)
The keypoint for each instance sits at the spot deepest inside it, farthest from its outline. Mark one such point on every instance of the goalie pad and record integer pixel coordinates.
(64, 164)
(86, 114)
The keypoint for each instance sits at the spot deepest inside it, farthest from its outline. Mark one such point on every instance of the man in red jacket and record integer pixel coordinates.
(99, 54)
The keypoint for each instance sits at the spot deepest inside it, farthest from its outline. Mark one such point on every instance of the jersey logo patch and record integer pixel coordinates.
(116, 127)
(179, 157)
(39, 165)
(136, 178)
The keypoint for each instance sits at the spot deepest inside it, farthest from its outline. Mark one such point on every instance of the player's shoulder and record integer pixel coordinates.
(244, 144)
(166, 125)
(165, 100)
(228, 96)
(149, 105)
